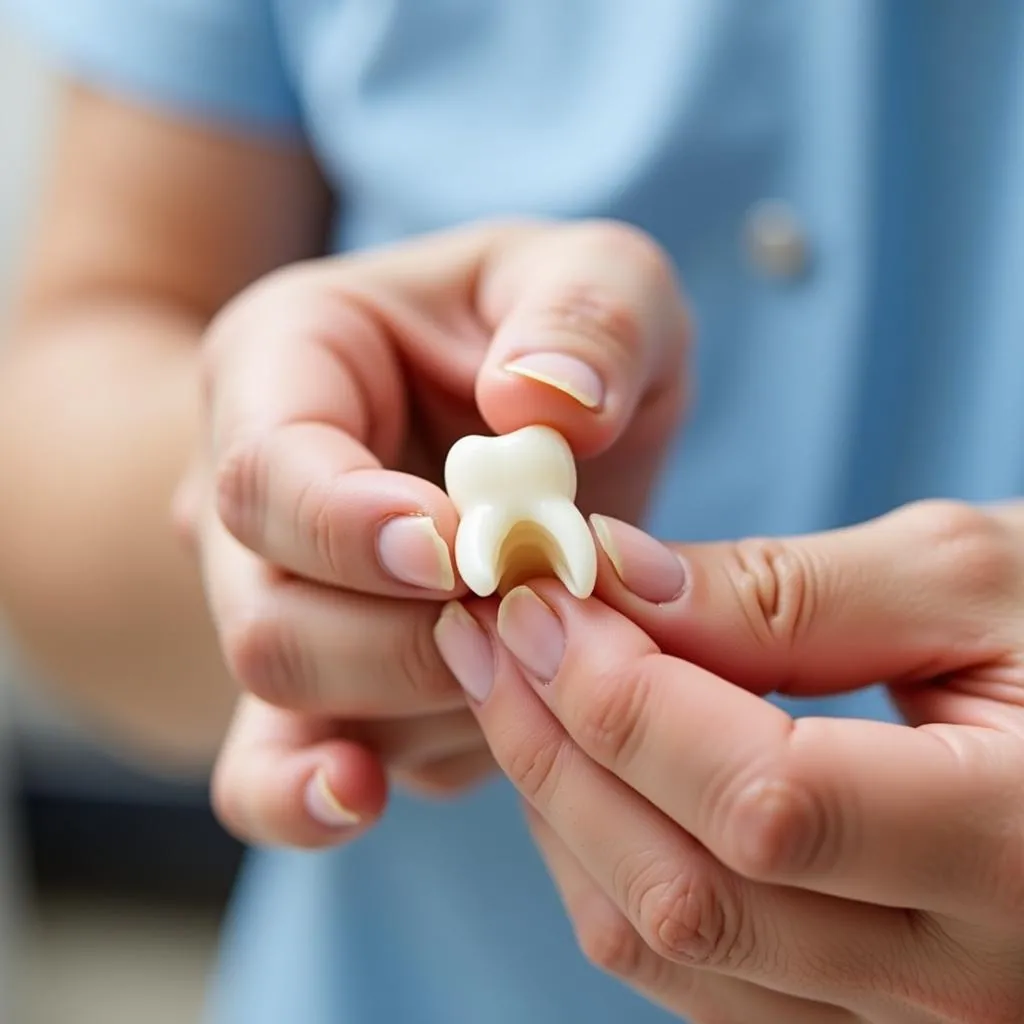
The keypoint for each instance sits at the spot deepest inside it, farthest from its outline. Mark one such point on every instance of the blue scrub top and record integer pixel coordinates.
(885, 364)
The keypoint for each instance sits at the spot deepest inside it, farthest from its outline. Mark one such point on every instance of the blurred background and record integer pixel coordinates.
(112, 883)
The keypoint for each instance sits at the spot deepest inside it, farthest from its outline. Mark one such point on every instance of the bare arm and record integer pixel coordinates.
(148, 226)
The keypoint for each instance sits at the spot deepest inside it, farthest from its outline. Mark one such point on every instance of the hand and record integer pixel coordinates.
(333, 393)
(736, 865)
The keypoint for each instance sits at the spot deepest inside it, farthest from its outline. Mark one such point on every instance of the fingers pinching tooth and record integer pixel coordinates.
(314, 501)
(515, 495)
(588, 321)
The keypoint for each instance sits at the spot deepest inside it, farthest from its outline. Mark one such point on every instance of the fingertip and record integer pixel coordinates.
(554, 593)
(346, 789)
(510, 398)
(411, 550)
(411, 525)
(315, 799)
(636, 568)
(324, 806)
(571, 610)
(387, 533)
(567, 374)
(595, 631)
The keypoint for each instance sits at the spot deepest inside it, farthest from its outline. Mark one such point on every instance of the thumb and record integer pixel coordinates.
(922, 592)
(589, 328)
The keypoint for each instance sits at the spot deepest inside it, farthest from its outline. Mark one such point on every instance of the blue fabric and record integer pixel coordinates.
(892, 369)
(216, 59)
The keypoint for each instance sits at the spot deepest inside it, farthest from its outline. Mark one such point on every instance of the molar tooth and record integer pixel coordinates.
(515, 497)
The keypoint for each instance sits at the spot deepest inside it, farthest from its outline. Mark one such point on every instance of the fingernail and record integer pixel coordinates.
(411, 550)
(645, 566)
(568, 374)
(532, 632)
(325, 807)
(466, 650)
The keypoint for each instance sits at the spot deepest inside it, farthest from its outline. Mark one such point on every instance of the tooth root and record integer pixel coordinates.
(567, 546)
(478, 545)
(514, 494)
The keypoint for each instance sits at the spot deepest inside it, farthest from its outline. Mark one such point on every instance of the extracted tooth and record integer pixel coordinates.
(515, 495)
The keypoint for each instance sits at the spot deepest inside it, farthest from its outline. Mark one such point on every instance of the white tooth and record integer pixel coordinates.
(515, 497)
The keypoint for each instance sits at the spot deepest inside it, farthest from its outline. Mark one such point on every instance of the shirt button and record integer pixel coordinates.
(775, 240)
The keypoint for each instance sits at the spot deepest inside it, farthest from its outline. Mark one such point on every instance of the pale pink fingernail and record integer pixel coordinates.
(411, 550)
(466, 649)
(645, 566)
(532, 632)
(324, 806)
(568, 374)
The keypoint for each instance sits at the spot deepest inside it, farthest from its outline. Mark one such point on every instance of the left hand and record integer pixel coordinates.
(735, 864)
(333, 391)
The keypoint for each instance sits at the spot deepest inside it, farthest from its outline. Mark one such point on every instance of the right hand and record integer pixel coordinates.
(333, 391)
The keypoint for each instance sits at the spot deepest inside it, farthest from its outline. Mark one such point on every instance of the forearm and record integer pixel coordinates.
(98, 415)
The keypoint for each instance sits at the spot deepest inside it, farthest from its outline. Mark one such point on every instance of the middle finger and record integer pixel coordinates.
(308, 647)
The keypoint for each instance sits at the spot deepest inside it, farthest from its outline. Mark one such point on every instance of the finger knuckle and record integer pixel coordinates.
(777, 827)
(972, 549)
(263, 653)
(419, 667)
(241, 480)
(591, 313)
(613, 720)
(534, 763)
(774, 586)
(609, 942)
(682, 917)
(776, 817)
(317, 520)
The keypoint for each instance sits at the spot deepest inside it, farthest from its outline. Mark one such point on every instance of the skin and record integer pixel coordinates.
(733, 864)
(316, 444)
(147, 226)
(233, 421)
(818, 870)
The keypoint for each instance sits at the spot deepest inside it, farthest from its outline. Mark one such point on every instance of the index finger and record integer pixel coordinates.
(868, 811)
(305, 402)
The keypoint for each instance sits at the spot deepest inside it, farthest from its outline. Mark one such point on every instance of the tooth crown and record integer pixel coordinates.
(515, 495)
(512, 468)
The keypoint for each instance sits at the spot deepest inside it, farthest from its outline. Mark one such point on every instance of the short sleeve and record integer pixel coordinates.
(216, 59)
